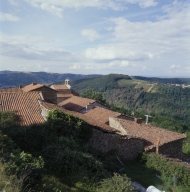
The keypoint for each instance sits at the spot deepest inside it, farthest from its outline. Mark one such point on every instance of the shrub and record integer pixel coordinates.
(119, 183)
(18, 163)
(169, 171)
(70, 126)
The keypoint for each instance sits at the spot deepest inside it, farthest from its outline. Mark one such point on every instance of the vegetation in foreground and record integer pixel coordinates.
(53, 157)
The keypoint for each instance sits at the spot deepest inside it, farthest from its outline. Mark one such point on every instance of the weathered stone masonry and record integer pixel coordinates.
(49, 94)
(127, 147)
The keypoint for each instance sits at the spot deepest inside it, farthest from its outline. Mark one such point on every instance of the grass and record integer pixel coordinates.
(133, 82)
(145, 86)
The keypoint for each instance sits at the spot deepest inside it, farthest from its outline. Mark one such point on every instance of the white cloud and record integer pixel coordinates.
(31, 48)
(118, 63)
(52, 9)
(90, 34)
(13, 2)
(143, 3)
(175, 66)
(8, 17)
(118, 51)
(47, 6)
(75, 66)
(56, 6)
(148, 40)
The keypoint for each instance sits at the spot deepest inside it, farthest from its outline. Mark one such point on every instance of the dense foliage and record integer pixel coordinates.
(26, 167)
(94, 95)
(169, 171)
(116, 183)
(54, 154)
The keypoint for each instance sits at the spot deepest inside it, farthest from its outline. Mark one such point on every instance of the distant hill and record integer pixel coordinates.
(14, 78)
(180, 81)
(140, 94)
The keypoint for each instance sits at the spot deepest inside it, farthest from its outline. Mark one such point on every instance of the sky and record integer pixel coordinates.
(132, 37)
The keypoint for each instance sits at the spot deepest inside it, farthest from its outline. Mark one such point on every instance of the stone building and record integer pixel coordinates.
(49, 94)
(155, 139)
(64, 91)
(111, 130)
(104, 137)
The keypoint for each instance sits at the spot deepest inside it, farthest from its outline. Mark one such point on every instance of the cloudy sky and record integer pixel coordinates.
(133, 37)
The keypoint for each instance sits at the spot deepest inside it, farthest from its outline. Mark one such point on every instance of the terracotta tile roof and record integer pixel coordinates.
(59, 86)
(150, 134)
(62, 95)
(101, 115)
(76, 103)
(34, 86)
(63, 89)
(26, 106)
(11, 90)
(88, 119)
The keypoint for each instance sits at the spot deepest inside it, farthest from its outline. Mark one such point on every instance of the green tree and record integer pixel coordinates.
(94, 95)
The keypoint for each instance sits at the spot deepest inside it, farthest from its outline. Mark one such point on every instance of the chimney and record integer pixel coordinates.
(67, 83)
(147, 116)
(20, 86)
(34, 83)
(138, 120)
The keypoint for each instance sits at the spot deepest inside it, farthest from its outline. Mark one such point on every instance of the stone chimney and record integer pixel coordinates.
(20, 87)
(34, 83)
(138, 120)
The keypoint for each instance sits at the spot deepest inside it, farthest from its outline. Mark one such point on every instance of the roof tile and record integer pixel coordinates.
(25, 105)
(149, 133)
(76, 103)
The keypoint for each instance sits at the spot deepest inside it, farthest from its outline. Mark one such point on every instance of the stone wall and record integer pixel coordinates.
(172, 149)
(49, 95)
(127, 147)
(44, 112)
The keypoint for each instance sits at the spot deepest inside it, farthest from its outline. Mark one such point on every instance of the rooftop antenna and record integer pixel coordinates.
(147, 116)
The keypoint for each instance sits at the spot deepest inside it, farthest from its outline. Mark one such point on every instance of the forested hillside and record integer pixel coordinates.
(140, 95)
(165, 80)
(14, 78)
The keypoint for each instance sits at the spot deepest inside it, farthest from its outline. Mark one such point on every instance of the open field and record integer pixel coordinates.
(133, 82)
(146, 86)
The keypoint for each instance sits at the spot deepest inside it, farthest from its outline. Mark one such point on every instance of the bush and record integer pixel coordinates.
(172, 172)
(69, 126)
(119, 183)
(23, 165)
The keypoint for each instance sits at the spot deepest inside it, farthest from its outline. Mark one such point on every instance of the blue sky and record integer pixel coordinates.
(133, 37)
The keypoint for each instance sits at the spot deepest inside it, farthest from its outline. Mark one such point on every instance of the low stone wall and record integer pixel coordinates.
(127, 147)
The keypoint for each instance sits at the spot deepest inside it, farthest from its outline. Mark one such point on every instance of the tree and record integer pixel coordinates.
(91, 94)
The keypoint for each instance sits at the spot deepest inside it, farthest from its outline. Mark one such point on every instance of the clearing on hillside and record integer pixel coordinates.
(133, 82)
(146, 86)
